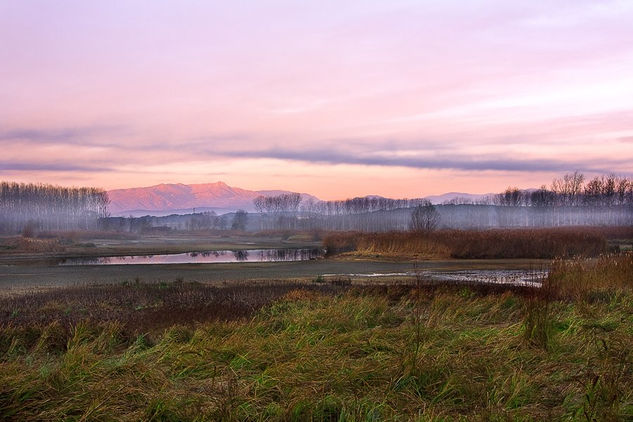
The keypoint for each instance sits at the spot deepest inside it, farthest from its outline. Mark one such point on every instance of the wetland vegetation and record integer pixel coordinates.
(325, 350)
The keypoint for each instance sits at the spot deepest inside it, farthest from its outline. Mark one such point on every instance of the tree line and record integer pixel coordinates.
(287, 202)
(569, 200)
(201, 221)
(359, 205)
(572, 190)
(292, 203)
(29, 206)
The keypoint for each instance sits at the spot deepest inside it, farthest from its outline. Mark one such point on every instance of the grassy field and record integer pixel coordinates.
(325, 351)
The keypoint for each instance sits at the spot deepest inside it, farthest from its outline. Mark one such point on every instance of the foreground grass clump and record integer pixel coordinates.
(592, 279)
(475, 244)
(376, 353)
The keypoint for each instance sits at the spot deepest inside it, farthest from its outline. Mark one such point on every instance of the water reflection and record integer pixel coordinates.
(240, 255)
(205, 257)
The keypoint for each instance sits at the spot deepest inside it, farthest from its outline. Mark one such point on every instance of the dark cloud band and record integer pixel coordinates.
(436, 163)
(25, 166)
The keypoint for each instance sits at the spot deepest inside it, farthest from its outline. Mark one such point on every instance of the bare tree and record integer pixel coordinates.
(512, 197)
(425, 217)
(569, 188)
(239, 220)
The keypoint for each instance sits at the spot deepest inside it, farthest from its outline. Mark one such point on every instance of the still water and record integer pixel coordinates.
(246, 255)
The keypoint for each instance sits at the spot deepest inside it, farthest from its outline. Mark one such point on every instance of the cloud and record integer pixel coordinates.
(26, 166)
(436, 163)
(66, 135)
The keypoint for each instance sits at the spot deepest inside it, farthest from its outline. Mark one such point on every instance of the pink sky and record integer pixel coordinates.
(335, 98)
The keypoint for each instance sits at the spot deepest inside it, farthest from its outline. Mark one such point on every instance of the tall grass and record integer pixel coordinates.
(502, 243)
(310, 356)
(591, 279)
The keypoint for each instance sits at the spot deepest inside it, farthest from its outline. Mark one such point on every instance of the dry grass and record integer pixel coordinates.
(617, 232)
(591, 279)
(19, 244)
(413, 245)
(473, 244)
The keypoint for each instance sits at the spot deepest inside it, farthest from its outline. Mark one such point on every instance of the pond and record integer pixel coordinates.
(207, 257)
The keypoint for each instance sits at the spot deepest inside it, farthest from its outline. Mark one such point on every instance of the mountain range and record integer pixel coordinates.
(178, 198)
(450, 196)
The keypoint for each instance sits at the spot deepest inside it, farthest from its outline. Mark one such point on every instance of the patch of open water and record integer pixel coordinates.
(207, 257)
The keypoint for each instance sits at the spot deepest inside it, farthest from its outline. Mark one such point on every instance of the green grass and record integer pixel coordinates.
(487, 355)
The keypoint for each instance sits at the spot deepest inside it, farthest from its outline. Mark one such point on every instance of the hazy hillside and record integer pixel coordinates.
(183, 198)
(440, 199)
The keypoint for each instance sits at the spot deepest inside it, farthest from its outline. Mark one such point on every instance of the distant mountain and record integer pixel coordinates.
(440, 199)
(180, 199)
(177, 198)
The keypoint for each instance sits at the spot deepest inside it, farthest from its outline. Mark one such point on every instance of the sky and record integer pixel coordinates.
(337, 98)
